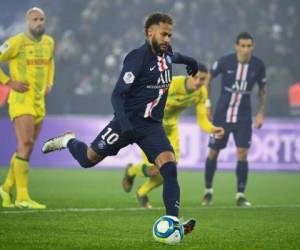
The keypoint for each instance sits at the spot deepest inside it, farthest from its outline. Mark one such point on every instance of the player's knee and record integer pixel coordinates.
(242, 154)
(93, 156)
(213, 154)
(90, 159)
(26, 144)
(25, 148)
(165, 157)
(85, 162)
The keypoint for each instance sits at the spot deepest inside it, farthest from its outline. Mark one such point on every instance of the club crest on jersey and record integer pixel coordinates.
(101, 144)
(215, 65)
(169, 60)
(128, 77)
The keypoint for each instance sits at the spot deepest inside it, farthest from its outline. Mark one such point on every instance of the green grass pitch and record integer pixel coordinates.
(87, 209)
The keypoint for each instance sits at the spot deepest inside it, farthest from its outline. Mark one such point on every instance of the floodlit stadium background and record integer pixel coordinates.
(93, 36)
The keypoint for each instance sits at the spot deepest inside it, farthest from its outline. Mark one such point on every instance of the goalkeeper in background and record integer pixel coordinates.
(185, 91)
(30, 56)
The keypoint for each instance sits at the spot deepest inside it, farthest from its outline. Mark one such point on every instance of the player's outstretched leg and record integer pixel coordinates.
(79, 150)
(171, 194)
(171, 189)
(58, 143)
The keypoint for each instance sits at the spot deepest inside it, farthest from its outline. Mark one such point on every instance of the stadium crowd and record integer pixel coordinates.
(92, 37)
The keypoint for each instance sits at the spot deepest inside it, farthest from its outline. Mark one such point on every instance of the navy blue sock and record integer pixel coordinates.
(242, 175)
(79, 151)
(171, 190)
(210, 169)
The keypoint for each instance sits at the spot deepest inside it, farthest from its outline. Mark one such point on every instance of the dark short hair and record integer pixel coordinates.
(243, 35)
(202, 67)
(156, 18)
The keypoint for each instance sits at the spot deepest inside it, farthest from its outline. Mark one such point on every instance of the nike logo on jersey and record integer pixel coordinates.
(152, 68)
(230, 71)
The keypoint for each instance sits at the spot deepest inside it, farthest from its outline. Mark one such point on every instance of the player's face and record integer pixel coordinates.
(160, 37)
(36, 23)
(198, 80)
(244, 48)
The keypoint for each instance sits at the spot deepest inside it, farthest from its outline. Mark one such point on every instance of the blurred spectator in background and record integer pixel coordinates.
(294, 99)
(92, 39)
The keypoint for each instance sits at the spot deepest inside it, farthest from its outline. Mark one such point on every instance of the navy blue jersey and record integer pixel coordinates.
(144, 80)
(238, 80)
(142, 88)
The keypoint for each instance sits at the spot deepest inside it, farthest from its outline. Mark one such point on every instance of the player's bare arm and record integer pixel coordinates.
(18, 86)
(260, 116)
(48, 90)
(218, 132)
(208, 102)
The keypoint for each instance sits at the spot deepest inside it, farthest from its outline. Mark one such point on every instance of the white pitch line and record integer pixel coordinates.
(134, 209)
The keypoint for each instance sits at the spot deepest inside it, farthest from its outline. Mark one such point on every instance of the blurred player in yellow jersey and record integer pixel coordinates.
(30, 57)
(185, 91)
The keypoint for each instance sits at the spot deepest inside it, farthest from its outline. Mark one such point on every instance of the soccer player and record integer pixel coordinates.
(183, 93)
(240, 72)
(138, 100)
(30, 56)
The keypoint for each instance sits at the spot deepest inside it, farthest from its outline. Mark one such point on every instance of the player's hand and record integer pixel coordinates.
(18, 86)
(192, 68)
(218, 132)
(259, 120)
(48, 90)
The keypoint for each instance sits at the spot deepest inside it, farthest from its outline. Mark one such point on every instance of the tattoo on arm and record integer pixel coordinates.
(262, 99)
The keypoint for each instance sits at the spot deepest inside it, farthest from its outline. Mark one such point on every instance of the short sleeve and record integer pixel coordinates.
(132, 66)
(262, 78)
(216, 68)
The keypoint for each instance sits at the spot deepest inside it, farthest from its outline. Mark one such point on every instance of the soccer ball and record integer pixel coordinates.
(168, 229)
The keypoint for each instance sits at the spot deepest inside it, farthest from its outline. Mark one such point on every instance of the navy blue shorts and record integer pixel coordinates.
(151, 138)
(242, 133)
